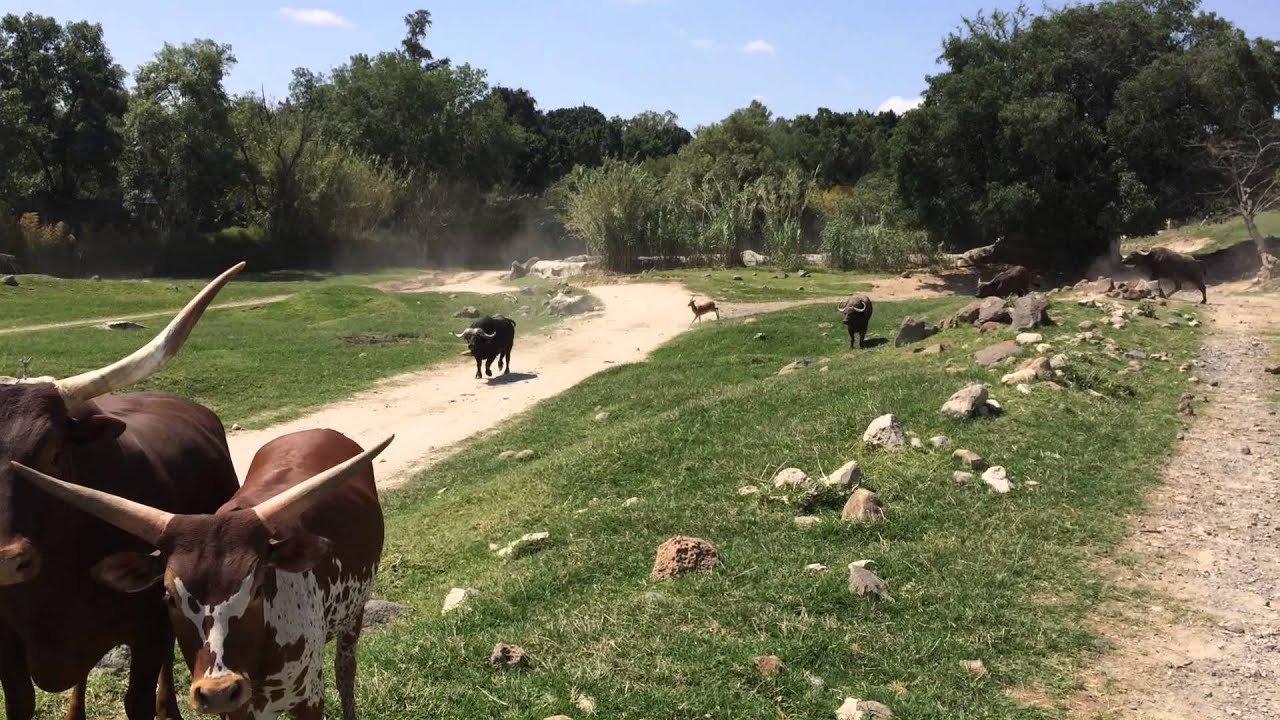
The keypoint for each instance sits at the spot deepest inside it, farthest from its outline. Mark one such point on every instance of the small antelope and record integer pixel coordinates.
(702, 308)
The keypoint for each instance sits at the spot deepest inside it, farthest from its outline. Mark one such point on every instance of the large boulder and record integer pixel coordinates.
(682, 556)
(863, 506)
(885, 432)
(9, 280)
(993, 354)
(968, 314)
(967, 402)
(1030, 311)
(993, 309)
(913, 330)
(751, 258)
(569, 304)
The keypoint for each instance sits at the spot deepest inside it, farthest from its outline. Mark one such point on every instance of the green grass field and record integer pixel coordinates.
(266, 364)
(1219, 235)
(40, 299)
(974, 575)
(758, 284)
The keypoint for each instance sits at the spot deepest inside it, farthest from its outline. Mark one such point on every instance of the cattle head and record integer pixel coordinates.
(45, 422)
(1138, 258)
(475, 336)
(216, 569)
(855, 305)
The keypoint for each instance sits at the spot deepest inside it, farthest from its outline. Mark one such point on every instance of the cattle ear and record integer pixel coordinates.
(94, 428)
(129, 572)
(299, 553)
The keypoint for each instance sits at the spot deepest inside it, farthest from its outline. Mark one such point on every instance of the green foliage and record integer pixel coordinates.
(618, 210)
(783, 204)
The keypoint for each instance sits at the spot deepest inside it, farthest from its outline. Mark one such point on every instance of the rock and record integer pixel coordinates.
(1042, 367)
(683, 555)
(507, 455)
(803, 273)
(751, 258)
(526, 544)
(940, 441)
(1102, 285)
(1087, 325)
(791, 478)
(631, 502)
(747, 490)
(456, 598)
(585, 703)
(854, 709)
(758, 336)
(991, 326)
(1027, 338)
(1136, 355)
(467, 312)
(507, 657)
(993, 309)
(885, 432)
(863, 506)
(968, 314)
(1030, 311)
(863, 582)
(794, 366)
(935, 349)
(815, 568)
(779, 276)
(1024, 388)
(1051, 385)
(1058, 362)
(1019, 377)
(236, 427)
(569, 304)
(970, 459)
(989, 356)
(9, 280)
(825, 326)
(767, 664)
(524, 455)
(805, 521)
(122, 325)
(997, 478)
(965, 403)
(913, 330)
(960, 476)
(379, 613)
(916, 442)
(977, 668)
(601, 416)
(117, 660)
(845, 477)
(737, 278)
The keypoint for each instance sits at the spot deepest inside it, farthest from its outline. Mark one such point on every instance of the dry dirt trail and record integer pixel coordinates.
(431, 411)
(1206, 644)
(252, 302)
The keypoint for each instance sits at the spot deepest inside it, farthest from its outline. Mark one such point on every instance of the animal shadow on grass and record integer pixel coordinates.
(509, 378)
(874, 342)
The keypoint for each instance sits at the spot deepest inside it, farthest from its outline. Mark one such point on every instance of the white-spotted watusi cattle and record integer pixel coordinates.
(488, 338)
(151, 447)
(1161, 262)
(1013, 281)
(256, 589)
(856, 314)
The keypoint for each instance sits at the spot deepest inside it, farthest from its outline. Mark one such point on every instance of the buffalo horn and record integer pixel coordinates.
(145, 361)
(284, 509)
(141, 521)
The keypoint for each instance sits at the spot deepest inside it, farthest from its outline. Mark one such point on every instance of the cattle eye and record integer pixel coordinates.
(170, 600)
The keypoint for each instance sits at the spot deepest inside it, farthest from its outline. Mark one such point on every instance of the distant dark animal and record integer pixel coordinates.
(150, 447)
(489, 338)
(257, 588)
(1161, 262)
(9, 264)
(1014, 281)
(702, 308)
(520, 269)
(856, 312)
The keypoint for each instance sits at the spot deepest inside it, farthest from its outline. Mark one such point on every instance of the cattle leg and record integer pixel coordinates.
(1204, 296)
(148, 658)
(19, 694)
(166, 695)
(1177, 285)
(477, 368)
(75, 706)
(344, 668)
(506, 363)
(488, 367)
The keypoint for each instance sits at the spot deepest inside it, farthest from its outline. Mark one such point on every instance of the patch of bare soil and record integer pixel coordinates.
(1206, 642)
(484, 282)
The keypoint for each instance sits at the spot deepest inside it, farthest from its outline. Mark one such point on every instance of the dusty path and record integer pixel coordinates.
(1207, 644)
(432, 410)
(254, 302)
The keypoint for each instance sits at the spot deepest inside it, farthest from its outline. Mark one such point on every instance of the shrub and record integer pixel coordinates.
(784, 203)
(617, 210)
(852, 244)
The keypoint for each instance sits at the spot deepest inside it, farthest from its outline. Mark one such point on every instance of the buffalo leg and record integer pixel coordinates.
(477, 368)
(19, 694)
(344, 668)
(488, 367)
(506, 363)
(75, 706)
(1177, 286)
(1204, 296)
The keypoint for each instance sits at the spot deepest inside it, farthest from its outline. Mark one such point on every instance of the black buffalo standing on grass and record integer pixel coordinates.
(489, 338)
(1014, 281)
(856, 312)
(1161, 262)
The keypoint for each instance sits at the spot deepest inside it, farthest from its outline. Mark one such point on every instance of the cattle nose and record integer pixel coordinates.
(215, 696)
(19, 562)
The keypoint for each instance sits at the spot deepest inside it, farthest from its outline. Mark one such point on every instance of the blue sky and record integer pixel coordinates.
(698, 58)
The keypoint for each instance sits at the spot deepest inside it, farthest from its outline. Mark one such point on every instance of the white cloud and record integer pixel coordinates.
(758, 47)
(702, 44)
(315, 17)
(899, 104)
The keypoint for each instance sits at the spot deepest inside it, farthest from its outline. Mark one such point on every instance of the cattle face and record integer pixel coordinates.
(251, 592)
(48, 424)
(856, 315)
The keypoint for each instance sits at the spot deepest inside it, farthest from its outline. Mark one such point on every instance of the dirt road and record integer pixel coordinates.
(253, 302)
(1207, 643)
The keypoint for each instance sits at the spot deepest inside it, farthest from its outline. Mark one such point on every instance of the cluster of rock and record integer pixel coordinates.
(993, 313)
(1135, 290)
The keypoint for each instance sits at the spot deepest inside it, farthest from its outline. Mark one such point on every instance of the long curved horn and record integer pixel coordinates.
(145, 361)
(462, 334)
(141, 521)
(283, 509)
(488, 336)
(860, 307)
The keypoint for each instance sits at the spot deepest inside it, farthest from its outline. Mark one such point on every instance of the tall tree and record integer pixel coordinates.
(180, 160)
(579, 136)
(839, 147)
(61, 97)
(651, 135)
(416, 25)
(530, 165)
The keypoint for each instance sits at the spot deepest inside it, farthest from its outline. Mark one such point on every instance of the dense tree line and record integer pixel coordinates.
(1057, 133)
